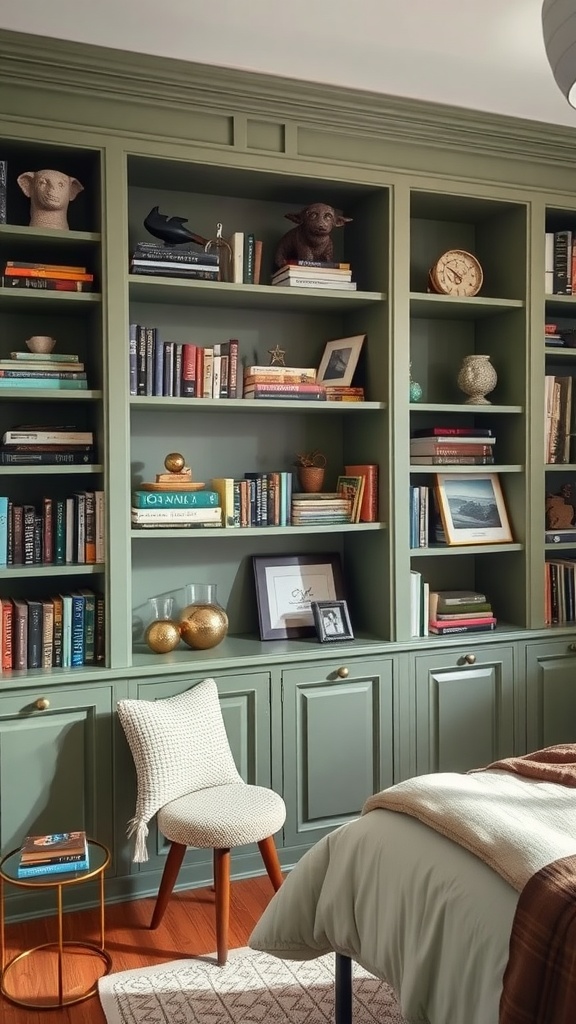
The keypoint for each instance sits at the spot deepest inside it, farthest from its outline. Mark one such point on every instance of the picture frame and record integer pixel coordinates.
(332, 621)
(286, 586)
(472, 508)
(339, 361)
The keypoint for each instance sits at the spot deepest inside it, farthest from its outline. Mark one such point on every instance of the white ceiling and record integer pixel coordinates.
(482, 54)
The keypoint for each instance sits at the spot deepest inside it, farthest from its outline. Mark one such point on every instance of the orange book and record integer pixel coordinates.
(62, 275)
(257, 261)
(369, 504)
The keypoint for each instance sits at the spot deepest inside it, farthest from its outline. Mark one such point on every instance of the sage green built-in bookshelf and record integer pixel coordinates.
(220, 146)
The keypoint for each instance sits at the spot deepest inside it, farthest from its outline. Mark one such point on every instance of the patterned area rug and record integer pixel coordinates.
(253, 988)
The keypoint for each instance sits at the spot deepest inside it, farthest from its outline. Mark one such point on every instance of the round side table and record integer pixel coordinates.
(99, 859)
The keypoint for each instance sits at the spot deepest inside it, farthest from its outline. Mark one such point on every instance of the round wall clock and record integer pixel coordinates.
(456, 272)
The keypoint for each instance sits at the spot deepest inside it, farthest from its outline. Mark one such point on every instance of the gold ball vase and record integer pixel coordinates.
(203, 622)
(162, 634)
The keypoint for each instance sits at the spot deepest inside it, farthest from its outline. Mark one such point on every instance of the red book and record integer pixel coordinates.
(369, 504)
(298, 389)
(453, 431)
(199, 371)
(6, 653)
(468, 620)
(189, 357)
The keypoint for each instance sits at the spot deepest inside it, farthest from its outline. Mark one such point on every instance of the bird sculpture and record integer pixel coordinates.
(171, 229)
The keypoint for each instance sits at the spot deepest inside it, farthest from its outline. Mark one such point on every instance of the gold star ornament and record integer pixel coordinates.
(277, 356)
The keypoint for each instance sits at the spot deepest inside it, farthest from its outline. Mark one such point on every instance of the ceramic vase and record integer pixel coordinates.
(162, 633)
(477, 378)
(311, 478)
(203, 622)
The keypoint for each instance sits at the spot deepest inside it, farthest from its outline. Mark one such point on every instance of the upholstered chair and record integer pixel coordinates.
(186, 775)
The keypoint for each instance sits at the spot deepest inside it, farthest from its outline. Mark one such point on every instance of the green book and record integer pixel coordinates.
(89, 624)
(54, 384)
(175, 499)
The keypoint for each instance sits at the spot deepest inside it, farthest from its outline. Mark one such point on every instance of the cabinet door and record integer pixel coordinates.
(337, 734)
(550, 694)
(464, 708)
(245, 701)
(56, 763)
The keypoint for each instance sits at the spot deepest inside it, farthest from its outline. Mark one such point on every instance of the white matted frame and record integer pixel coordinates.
(339, 361)
(286, 585)
(472, 508)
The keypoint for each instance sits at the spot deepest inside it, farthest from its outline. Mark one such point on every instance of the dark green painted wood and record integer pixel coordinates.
(550, 693)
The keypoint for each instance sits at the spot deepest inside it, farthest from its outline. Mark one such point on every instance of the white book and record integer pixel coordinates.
(186, 515)
(208, 373)
(415, 603)
(66, 630)
(236, 243)
(304, 282)
(216, 370)
(34, 436)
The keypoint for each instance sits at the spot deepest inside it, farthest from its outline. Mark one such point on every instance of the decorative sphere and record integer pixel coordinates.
(162, 636)
(174, 462)
(203, 626)
(415, 391)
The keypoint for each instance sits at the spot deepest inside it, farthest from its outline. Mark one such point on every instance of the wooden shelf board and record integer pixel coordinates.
(504, 468)
(560, 305)
(441, 550)
(560, 353)
(166, 404)
(47, 395)
(461, 408)
(65, 470)
(19, 233)
(41, 571)
(229, 533)
(559, 467)
(452, 307)
(245, 296)
(19, 300)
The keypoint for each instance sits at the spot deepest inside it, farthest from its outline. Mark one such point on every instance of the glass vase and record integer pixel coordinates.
(203, 622)
(162, 632)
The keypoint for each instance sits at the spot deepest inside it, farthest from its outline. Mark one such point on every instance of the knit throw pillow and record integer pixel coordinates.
(179, 745)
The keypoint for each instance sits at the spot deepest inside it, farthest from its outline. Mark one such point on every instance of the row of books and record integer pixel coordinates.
(559, 591)
(42, 370)
(54, 853)
(447, 612)
(560, 262)
(245, 261)
(61, 631)
(560, 419)
(31, 445)
(151, 259)
(181, 369)
(300, 274)
(51, 276)
(59, 531)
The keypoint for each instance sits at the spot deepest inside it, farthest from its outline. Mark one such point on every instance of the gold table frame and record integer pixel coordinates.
(57, 882)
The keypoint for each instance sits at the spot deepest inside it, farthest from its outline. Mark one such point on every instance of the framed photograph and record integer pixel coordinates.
(339, 361)
(472, 508)
(286, 586)
(332, 621)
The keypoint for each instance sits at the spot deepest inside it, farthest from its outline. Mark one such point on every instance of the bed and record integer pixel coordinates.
(450, 888)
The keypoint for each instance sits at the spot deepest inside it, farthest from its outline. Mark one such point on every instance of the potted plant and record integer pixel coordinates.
(310, 467)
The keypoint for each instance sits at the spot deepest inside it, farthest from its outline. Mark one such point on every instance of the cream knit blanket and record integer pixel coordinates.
(516, 825)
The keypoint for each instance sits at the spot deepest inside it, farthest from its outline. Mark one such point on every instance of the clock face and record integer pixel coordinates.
(456, 272)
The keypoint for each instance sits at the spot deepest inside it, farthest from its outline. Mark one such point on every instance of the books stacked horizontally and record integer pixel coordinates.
(40, 445)
(60, 371)
(339, 393)
(460, 611)
(190, 510)
(307, 274)
(452, 446)
(282, 382)
(323, 508)
(59, 277)
(53, 854)
(158, 260)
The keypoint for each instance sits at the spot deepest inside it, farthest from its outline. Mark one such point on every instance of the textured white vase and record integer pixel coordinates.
(477, 378)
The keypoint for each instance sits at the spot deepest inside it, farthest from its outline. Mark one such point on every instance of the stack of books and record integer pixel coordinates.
(175, 508)
(51, 276)
(282, 382)
(452, 446)
(339, 393)
(40, 445)
(321, 508)
(158, 260)
(460, 611)
(53, 854)
(54, 371)
(307, 274)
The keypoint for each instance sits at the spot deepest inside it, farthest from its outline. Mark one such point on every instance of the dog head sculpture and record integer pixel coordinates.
(311, 238)
(49, 192)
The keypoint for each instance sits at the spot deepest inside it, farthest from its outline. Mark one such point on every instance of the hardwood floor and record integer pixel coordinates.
(187, 930)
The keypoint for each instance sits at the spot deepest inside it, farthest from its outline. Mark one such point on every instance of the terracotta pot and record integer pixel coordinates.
(311, 478)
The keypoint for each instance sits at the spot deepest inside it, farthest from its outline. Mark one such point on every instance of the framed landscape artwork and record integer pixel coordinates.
(286, 586)
(472, 508)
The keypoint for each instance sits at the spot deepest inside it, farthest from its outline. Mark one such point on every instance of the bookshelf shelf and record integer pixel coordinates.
(444, 307)
(246, 296)
(32, 236)
(237, 405)
(254, 532)
(470, 410)
(440, 551)
(43, 395)
(17, 301)
(51, 470)
(467, 470)
(16, 572)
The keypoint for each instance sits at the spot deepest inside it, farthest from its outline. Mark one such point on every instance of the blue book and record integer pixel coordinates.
(66, 630)
(51, 869)
(3, 530)
(52, 384)
(78, 629)
(175, 499)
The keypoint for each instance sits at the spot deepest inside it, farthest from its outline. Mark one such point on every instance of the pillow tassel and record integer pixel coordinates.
(138, 827)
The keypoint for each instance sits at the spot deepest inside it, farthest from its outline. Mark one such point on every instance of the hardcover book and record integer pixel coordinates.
(369, 504)
(174, 499)
(33, 870)
(52, 844)
(34, 634)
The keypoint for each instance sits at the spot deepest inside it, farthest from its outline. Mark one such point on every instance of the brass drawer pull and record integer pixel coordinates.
(572, 647)
(42, 704)
(343, 672)
(470, 659)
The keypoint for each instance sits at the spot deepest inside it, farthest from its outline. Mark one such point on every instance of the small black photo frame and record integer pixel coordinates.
(332, 621)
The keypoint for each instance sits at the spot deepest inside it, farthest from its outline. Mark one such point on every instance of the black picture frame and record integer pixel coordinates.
(332, 621)
(286, 586)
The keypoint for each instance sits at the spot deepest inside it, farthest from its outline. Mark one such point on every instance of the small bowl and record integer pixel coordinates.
(40, 343)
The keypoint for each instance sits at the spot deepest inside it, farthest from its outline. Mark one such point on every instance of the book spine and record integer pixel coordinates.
(168, 380)
(183, 272)
(4, 505)
(7, 625)
(54, 284)
(63, 437)
(64, 858)
(63, 458)
(188, 387)
(36, 374)
(89, 626)
(90, 528)
(150, 336)
(283, 395)
(141, 361)
(3, 190)
(79, 542)
(297, 388)
(233, 369)
(66, 267)
(66, 630)
(216, 370)
(62, 275)
(37, 383)
(177, 370)
(20, 634)
(257, 261)
(100, 519)
(453, 432)
(562, 278)
(47, 633)
(322, 265)
(77, 648)
(158, 386)
(132, 358)
(28, 534)
(99, 630)
(224, 370)
(249, 243)
(48, 531)
(52, 869)
(304, 282)
(369, 503)
(18, 534)
(224, 487)
(157, 254)
(477, 628)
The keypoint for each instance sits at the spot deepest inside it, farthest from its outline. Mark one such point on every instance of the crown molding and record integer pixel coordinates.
(100, 72)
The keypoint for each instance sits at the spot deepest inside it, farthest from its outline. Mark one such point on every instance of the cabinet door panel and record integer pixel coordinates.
(337, 744)
(465, 712)
(55, 764)
(551, 694)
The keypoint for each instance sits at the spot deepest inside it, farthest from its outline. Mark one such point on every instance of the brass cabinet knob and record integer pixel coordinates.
(42, 704)
(343, 672)
(470, 659)
(572, 647)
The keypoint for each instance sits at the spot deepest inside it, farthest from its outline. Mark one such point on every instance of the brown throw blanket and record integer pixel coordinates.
(526, 831)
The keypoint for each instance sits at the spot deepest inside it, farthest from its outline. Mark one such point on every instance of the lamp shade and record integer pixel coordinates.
(559, 30)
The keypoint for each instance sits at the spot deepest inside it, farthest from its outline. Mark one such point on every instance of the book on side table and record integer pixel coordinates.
(53, 853)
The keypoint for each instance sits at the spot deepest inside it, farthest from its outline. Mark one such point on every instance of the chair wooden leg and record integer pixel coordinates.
(269, 853)
(222, 887)
(169, 876)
